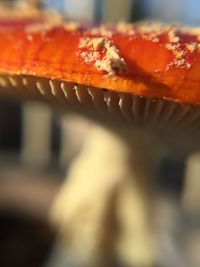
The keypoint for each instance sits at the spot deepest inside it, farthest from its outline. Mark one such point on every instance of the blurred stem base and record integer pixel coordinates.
(104, 210)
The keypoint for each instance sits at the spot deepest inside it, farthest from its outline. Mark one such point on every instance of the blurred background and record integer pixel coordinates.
(37, 146)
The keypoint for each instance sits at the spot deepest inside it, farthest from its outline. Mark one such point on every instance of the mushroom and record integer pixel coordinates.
(139, 83)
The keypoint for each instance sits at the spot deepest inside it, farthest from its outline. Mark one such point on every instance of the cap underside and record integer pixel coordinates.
(84, 99)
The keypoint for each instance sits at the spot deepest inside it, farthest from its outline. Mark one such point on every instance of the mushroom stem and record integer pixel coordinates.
(104, 209)
(191, 194)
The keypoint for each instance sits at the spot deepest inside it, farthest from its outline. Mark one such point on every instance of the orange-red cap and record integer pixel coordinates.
(150, 59)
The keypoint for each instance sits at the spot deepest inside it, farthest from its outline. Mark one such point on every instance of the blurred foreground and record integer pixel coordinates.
(29, 189)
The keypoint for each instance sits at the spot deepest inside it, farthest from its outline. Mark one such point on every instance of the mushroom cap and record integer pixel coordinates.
(146, 67)
(152, 60)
